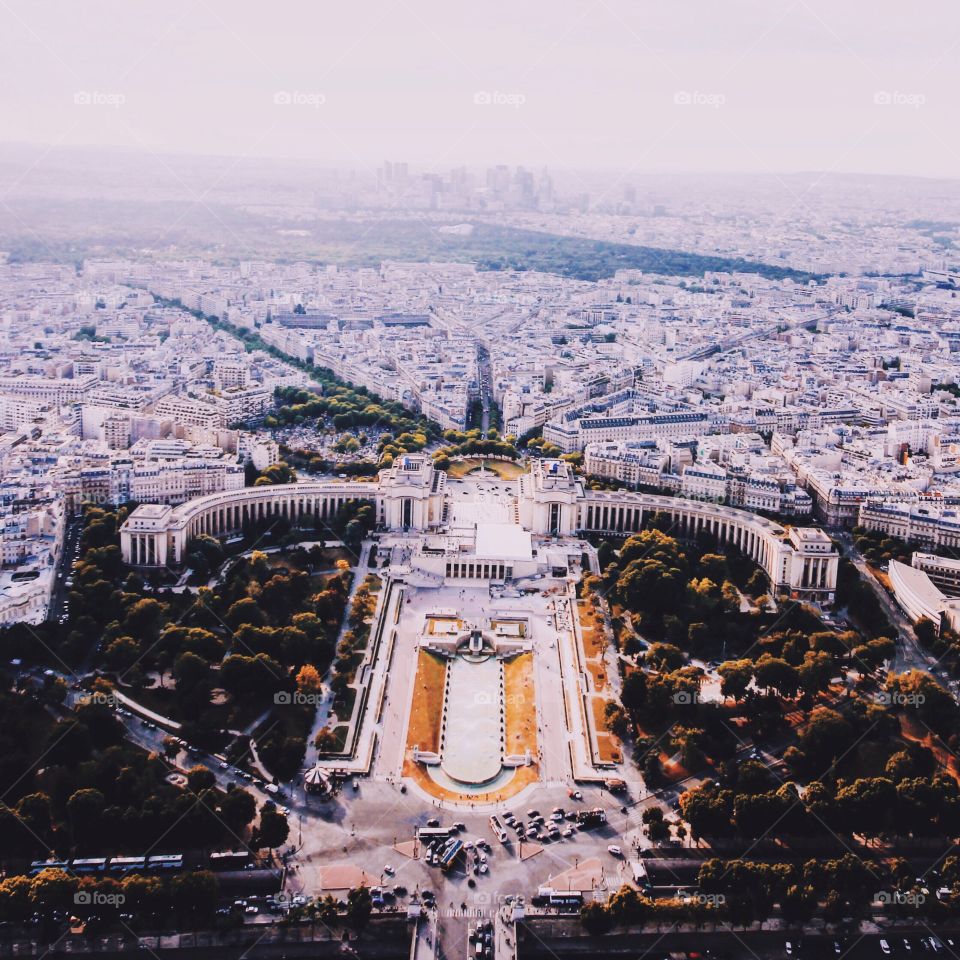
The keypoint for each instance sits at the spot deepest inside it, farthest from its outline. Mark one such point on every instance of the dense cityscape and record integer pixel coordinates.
(539, 543)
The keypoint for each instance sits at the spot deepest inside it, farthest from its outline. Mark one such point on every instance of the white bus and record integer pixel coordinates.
(496, 824)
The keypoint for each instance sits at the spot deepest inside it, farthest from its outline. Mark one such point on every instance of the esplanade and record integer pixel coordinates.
(411, 497)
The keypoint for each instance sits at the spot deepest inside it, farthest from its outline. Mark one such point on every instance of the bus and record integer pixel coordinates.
(166, 864)
(127, 864)
(450, 855)
(569, 902)
(229, 860)
(496, 824)
(89, 865)
(426, 834)
(590, 818)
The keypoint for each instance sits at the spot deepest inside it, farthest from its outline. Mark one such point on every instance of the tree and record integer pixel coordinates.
(199, 778)
(605, 555)
(596, 918)
(826, 736)
(15, 902)
(926, 632)
(757, 584)
(308, 679)
(52, 890)
(815, 672)
(144, 620)
(633, 694)
(256, 677)
(237, 809)
(85, 813)
(774, 673)
(616, 718)
(714, 566)
(665, 656)
(359, 907)
(326, 741)
(867, 805)
(273, 828)
(735, 677)
(144, 895)
(708, 810)
(195, 895)
(657, 828)
(918, 690)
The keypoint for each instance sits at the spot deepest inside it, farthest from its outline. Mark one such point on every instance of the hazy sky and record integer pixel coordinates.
(690, 85)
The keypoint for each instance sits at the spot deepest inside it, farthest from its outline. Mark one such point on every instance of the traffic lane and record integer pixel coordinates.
(151, 739)
(723, 945)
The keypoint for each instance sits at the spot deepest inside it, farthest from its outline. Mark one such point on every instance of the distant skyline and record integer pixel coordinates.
(746, 86)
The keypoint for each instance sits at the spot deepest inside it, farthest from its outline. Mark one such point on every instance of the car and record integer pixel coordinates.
(388, 869)
(355, 783)
(884, 946)
(615, 850)
(556, 816)
(224, 765)
(788, 947)
(567, 833)
(433, 822)
(251, 909)
(459, 827)
(906, 944)
(468, 845)
(533, 814)
(576, 795)
(837, 949)
(482, 868)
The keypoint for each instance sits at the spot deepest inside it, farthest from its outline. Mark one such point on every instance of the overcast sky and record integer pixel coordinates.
(688, 85)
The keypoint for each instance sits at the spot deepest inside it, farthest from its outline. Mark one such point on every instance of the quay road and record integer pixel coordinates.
(727, 945)
(910, 655)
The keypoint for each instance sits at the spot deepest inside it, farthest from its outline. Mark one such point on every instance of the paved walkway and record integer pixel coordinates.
(325, 707)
